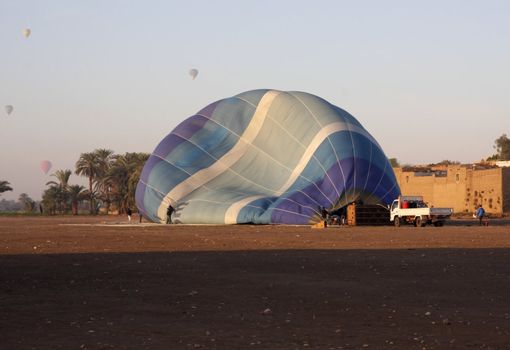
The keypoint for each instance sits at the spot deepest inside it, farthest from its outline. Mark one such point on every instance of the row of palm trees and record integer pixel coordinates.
(112, 180)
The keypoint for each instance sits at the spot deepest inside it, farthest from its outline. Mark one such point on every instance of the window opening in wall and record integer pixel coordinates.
(457, 177)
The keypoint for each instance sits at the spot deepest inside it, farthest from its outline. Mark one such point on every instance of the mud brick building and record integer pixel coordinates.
(461, 187)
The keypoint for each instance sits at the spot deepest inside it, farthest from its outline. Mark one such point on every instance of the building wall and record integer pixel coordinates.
(449, 191)
(459, 187)
(487, 190)
(506, 189)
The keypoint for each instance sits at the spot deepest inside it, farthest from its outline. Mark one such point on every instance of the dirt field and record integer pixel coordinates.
(67, 282)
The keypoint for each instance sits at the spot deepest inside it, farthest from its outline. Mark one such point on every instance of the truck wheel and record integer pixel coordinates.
(418, 222)
(438, 223)
(396, 221)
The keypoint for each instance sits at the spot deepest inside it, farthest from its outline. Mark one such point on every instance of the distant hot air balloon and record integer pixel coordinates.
(193, 72)
(26, 32)
(45, 166)
(9, 109)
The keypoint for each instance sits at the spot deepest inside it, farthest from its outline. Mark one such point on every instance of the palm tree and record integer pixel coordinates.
(123, 178)
(62, 177)
(76, 194)
(117, 179)
(27, 202)
(104, 191)
(50, 199)
(88, 165)
(4, 186)
(63, 187)
(105, 158)
(137, 162)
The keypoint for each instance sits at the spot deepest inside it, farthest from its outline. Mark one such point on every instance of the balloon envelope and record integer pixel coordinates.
(45, 166)
(193, 72)
(266, 157)
(9, 109)
(26, 32)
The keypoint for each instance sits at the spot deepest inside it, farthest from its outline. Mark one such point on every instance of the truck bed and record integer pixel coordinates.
(425, 212)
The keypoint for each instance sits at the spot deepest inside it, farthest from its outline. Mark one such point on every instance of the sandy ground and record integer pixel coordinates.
(99, 283)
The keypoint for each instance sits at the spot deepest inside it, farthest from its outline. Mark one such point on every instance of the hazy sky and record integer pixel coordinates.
(430, 80)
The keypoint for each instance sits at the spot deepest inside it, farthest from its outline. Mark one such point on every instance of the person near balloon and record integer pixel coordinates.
(169, 213)
(129, 213)
(325, 214)
(480, 214)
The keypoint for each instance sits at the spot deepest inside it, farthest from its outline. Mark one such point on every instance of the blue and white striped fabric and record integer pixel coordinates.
(265, 157)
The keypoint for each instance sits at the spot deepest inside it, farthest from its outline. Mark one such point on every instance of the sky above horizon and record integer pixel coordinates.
(429, 80)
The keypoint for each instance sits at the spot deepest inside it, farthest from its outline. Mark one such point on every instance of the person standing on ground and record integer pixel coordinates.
(480, 213)
(169, 212)
(129, 213)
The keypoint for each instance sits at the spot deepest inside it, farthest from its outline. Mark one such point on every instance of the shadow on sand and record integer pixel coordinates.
(279, 299)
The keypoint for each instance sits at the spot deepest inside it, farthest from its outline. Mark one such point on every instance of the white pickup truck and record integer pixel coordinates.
(413, 210)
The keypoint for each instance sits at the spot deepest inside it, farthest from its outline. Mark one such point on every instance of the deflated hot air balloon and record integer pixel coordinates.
(193, 72)
(26, 32)
(9, 109)
(45, 166)
(265, 157)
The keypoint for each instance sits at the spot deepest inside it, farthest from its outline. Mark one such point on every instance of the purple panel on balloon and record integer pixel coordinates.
(185, 131)
(209, 110)
(179, 135)
(149, 165)
(326, 187)
(193, 124)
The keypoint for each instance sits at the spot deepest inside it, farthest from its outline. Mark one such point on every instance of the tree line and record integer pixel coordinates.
(112, 180)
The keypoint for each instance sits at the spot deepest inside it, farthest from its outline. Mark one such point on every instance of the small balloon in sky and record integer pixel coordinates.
(9, 109)
(45, 166)
(26, 32)
(193, 72)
